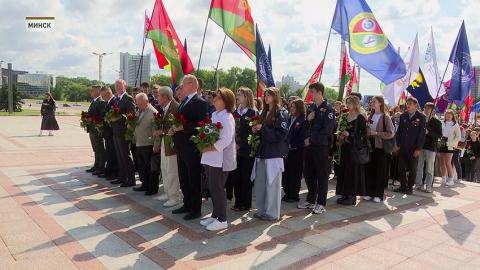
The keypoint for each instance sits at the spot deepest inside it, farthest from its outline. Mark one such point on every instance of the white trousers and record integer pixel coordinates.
(171, 184)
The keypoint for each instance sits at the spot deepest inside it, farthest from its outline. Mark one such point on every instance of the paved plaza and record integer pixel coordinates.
(53, 215)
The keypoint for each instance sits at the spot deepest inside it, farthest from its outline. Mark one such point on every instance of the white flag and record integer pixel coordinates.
(430, 69)
(393, 92)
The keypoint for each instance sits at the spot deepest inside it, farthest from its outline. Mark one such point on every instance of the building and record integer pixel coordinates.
(476, 87)
(129, 64)
(290, 81)
(4, 75)
(34, 85)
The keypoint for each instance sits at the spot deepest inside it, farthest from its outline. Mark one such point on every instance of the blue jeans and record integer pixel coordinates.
(428, 157)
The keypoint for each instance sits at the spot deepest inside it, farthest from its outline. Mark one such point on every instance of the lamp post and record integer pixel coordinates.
(100, 58)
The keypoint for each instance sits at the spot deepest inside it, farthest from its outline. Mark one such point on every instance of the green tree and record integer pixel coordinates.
(330, 94)
(17, 99)
(73, 89)
(161, 80)
(285, 90)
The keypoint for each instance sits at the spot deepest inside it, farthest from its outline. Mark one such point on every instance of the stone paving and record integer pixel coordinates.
(55, 216)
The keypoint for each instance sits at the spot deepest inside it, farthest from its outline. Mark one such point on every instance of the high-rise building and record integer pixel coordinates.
(15, 73)
(129, 64)
(35, 85)
(476, 87)
(290, 81)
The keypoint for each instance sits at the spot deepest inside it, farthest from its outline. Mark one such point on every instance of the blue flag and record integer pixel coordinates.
(270, 55)
(476, 107)
(462, 74)
(369, 46)
(264, 67)
(419, 89)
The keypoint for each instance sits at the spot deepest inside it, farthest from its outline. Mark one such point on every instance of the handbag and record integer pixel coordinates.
(389, 145)
(360, 152)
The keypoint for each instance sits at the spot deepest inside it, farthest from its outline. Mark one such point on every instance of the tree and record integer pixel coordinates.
(330, 94)
(285, 90)
(161, 80)
(73, 89)
(17, 99)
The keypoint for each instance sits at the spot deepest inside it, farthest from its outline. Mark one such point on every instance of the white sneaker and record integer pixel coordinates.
(429, 189)
(444, 180)
(171, 203)
(217, 225)
(377, 200)
(305, 205)
(50, 134)
(367, 198)
(318, 209)
(207, 221)
(163, 197)
(450, 182)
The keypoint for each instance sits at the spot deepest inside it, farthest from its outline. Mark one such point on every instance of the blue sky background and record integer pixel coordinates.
(297, 31)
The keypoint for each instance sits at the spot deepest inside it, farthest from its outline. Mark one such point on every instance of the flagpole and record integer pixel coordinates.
(203, 41)
(218, 61)
(325, 53)
(141, 56)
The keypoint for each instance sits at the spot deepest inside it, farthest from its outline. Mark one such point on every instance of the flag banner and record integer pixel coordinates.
(462, 73)
(467, 109)
(392, 92)
(306, 96)
(146, 26)
(352, 86)
(234, 16)
(346, 73)
(369, 46)
(430, 69)
(264, 69)
(476, 107)
(419, 89)
(167, 43)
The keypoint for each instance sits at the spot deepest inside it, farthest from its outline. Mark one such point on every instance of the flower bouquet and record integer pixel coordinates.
(131, 122)
(342, 126)
(113, 115)
(208, 134)
(254, 138)
(237, 117)
(98, 122)
(176, 119)
(85, 120)
(160, 123)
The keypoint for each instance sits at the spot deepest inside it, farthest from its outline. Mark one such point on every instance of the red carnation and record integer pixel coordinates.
(202, 136)
(218, 125)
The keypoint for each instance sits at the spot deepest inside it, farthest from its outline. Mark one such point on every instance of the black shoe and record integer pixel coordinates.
(341, 199)
(92, 169)
(102, 175)
(181, 210)
(349, 201)
(140, 188)
(192, 216)
(111, 178)
(116, 182)
(127, 185)
(409, 191)
(399, 190)
(290, 200)
(150, 193)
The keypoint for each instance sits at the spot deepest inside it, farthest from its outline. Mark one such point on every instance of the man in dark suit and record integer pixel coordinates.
(111, 167)
(97, 109)
(410, 139)
(194, 109)
(126, 173)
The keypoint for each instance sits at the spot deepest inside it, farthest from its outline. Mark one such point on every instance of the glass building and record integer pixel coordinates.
(34, 85)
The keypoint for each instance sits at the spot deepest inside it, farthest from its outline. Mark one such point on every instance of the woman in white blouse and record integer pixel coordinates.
(220, 158)
(451, 136)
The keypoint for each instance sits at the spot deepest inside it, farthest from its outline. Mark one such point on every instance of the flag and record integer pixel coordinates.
(353, 83)
(369, 46)
(264, 68)
(394, 91)
(185, 44)
(306, 96)
(403, 98)
(430, 69)
(234, 16)
(345, 75)
(146, 26)
(162, 62)
(166, 41)
(270, 56)
(462, 74)
(419, 89)
(467, 109)
(476, 107)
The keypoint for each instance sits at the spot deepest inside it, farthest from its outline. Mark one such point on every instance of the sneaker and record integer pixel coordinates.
(163, 197)
(207, 221)
(367, 198)
(318, 209)
(450, 182)
(419, 187)
(217, 225)
(444, 180)
(305, 205)
(428, 189)
(377, 200)
(171, 203)
(50, 134)
(258, 215)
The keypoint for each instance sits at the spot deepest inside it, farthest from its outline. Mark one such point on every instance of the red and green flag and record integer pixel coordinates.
(306, 96)
(171, 55)
(235, 18)
(346, 74)
(353, 83)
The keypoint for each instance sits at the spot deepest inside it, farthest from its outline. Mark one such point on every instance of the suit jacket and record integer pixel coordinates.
(126, 105)
(297, 133)
(411, 133)
(144, 129)
(169, 150)
(96, 108)
(194, 111)
(107, 129)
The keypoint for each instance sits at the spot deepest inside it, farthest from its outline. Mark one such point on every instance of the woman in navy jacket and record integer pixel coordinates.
(297, 133)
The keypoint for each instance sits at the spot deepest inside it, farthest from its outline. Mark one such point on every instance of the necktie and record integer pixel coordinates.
(183, 103)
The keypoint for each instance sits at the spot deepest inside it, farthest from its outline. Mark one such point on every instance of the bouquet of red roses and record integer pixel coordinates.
(208, 134)
(176, 119)
(97, 121)
(254, 138)
(160, 123)
(131, 122)
(85, 120)
(113, 115)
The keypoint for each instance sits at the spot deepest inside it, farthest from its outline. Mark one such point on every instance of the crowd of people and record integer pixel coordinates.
(269, 144)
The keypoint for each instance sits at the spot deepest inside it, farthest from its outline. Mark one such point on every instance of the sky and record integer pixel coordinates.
(297, 31)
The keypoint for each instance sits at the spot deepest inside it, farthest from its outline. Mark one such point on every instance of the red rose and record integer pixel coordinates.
(236, 115)
(345, 111)
(218, 125)
(131, 117)
(202, 136)
(201, 124)
(208, 121)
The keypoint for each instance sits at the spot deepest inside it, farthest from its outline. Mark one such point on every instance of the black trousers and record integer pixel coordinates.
(134, 156)
(111, 167)
(377, 174)
(316, 172)
(216, 179)
(407, 163)
(456, 163)
(98, 149)
(189, 169)
(292, 179)
(242, 185)
(470, 166)
(144, 154)
(126, 174)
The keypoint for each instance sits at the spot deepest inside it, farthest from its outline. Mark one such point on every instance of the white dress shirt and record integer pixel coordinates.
(225, 154)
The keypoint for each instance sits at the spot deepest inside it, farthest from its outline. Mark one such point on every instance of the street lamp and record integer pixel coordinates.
(100, 57)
